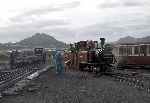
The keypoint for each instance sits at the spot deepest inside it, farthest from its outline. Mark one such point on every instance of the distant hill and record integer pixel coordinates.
(127, 39)
(144, 39)
(41, 40)
(131, 40)
(37, 40)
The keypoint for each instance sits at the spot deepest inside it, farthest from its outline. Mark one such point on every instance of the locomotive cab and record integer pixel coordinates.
(38, 51)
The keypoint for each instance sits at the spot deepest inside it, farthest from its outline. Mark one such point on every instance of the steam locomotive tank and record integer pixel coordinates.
(99, 60)
(105, 59)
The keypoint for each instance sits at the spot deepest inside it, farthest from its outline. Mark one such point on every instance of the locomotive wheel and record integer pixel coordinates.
(90, 68)
(82, 66)
(97, 73)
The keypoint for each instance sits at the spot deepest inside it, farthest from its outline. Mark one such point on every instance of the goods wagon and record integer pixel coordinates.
(19, 58)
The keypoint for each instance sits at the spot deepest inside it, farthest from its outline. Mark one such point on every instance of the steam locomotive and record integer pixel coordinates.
(90, 56)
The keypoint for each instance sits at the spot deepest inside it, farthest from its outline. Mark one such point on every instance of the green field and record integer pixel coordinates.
(4, 57)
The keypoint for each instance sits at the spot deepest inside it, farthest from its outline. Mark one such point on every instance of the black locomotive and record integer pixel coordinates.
(104, 58)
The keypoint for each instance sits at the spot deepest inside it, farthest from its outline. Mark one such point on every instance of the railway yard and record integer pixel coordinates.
(75, 51)
(77, 87)
(91, 75)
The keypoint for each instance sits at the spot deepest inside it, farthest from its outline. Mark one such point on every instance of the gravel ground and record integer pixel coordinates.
(76, 87)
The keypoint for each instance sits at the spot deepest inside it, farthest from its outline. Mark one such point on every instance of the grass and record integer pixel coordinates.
(4, 57)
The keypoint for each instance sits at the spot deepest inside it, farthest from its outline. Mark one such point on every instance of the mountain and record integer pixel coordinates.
(127, 39)
(37, 40)
(131, 40)
(144, 39)
(41, 40)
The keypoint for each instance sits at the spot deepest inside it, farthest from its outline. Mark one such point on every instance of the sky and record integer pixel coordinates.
(74, 20)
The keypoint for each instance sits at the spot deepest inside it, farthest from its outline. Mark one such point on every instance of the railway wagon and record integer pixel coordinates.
(19, 58)
(133, 55)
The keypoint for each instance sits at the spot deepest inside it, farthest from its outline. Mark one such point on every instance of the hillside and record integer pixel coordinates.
(37, 40)
(127, 39)
(41, 40)
(131, 40)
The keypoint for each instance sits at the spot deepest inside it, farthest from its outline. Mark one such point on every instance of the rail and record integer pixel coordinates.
(133, 79)
(9, 78)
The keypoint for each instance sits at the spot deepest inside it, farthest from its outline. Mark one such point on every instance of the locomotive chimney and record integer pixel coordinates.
(102, 42)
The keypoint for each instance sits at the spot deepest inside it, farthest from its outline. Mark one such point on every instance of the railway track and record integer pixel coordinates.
(9, 78)
(134, 79)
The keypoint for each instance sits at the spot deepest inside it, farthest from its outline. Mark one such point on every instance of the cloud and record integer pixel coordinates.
(114, 29)
(73, 4)
(133, 3)
(44, 10)
(51, 8)
(109, 5)
(124, 3)
(43, 23)
(36, 25)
